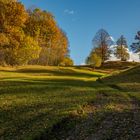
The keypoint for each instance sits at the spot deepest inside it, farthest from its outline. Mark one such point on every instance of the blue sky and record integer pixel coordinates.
(81, 19)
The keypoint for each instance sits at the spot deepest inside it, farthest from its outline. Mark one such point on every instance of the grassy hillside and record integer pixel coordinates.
(128, 80)
(118, 65)
(68, 103)
(113, 114)
(34, 98)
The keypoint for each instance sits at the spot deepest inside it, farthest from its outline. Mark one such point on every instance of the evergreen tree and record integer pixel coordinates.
(136, 46)
(121, 51)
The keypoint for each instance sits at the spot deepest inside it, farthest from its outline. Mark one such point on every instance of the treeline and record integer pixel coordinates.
(31, 37)
(104, 47)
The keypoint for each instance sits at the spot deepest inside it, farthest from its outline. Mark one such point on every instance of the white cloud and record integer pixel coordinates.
(70, 12)
(134, 57)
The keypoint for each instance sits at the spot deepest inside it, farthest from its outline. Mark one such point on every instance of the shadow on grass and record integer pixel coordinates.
(111, 125)
(35, 105)
(129, 76)
(45, 85)
(100, 124)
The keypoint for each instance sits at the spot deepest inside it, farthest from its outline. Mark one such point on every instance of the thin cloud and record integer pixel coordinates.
(70, 12)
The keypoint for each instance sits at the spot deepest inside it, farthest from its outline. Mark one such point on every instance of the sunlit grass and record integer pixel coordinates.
(34, 98)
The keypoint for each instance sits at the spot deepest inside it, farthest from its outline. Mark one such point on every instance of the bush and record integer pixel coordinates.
(67, 62)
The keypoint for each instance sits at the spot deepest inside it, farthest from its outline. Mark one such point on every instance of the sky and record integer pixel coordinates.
(81, 19)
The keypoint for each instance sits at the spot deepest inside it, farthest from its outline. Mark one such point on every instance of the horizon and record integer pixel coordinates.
(81, 22)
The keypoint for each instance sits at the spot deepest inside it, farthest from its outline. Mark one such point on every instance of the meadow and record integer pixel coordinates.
(47, 103)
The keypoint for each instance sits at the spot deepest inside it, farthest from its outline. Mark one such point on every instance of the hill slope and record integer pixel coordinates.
(128, 80)
(54, 103)
(34, 98)
(113, 114)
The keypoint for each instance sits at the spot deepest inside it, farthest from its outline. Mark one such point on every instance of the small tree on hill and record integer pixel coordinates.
(67, 61)
(101, 44)
(94, 60)
(121, 51)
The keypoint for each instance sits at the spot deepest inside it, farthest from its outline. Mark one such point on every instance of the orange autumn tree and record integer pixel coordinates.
(52, 40)
(30, 36)
(13, 16)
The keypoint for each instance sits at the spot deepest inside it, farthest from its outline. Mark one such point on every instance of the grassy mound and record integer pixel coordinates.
(127, 80)
(113, 114)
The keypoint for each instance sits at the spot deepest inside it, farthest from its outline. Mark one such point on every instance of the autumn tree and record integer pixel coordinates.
(53, 41)
(30, 37)
(13, 16)
(67, 61)
(94, 60)
(60, 50)
(28, 51)
(121, 51)
(101, 44)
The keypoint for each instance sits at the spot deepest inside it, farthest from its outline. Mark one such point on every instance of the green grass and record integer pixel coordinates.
(127, 80)
(39, 102)
(118, 65)
(33, 99)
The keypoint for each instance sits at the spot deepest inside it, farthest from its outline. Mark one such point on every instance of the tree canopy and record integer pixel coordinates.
(101, 44)
(121, 51)
(94, 60)
(136, 46)
(30, 36)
